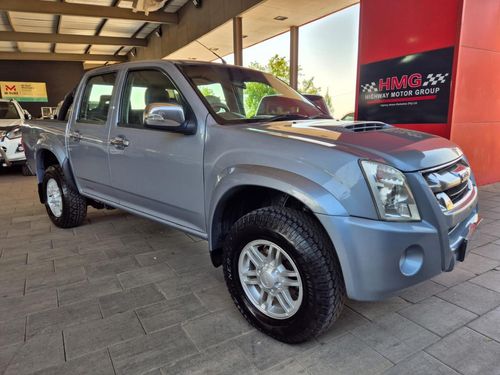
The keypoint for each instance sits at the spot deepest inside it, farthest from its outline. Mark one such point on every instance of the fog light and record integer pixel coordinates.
(412, 260)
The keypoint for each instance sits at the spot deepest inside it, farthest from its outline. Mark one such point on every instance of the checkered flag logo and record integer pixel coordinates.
(434, 79)
(369, 87)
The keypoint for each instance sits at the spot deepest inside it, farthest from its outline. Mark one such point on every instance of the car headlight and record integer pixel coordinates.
(391, 192)
(14, 133)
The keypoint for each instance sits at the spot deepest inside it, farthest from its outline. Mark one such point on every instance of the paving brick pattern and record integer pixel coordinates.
(125, 295)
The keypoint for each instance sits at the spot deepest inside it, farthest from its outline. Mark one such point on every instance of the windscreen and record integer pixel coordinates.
(235, 95)
(8, 111)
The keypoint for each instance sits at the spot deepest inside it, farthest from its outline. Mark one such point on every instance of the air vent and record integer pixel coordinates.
(367, 126)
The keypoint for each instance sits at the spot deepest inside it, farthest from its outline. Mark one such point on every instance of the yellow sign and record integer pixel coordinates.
(24, 91)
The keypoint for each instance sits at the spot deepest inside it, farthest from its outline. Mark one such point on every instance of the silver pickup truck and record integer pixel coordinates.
(299, 209)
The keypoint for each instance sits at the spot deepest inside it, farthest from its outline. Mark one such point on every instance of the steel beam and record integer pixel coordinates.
(238, 41)
(71, 39)
(59, 56)
(85, 10)
(294, 57)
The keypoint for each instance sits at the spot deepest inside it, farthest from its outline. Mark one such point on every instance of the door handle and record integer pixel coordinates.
(119, 142)
(75, 136)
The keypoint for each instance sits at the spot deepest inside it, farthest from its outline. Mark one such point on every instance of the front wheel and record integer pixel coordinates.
(65, 206)
(282, 273)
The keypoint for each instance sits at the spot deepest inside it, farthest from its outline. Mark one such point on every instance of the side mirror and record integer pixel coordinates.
(166, 116)
(27, 115)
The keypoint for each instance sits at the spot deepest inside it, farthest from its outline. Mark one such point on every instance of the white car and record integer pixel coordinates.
(12, 116)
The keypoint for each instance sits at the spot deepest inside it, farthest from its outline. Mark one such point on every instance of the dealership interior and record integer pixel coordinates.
(141, 234)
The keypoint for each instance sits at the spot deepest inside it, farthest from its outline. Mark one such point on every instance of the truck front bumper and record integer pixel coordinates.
(11, 152)
(380, 258)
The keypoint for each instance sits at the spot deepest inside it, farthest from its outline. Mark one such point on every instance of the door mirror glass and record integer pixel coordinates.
(167, 116)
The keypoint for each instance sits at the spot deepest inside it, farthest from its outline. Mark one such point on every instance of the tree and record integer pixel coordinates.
(279, 67)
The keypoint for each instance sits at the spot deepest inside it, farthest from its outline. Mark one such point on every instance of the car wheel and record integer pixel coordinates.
(65, 206)
(26, 171)
(283, 274)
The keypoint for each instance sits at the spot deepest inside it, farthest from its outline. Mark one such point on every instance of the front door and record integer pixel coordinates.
(88, 135)
(157, 172)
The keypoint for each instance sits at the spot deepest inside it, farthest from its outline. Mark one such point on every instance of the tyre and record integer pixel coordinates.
(26, 171)
(283, 274)
(65, 206)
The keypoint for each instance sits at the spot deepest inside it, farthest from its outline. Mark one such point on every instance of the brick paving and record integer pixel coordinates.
(125, 295)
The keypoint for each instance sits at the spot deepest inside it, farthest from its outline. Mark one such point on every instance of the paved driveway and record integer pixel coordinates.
(124, 295)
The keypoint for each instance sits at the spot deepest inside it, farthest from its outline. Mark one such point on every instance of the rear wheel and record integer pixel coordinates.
(26, 171)
(282, 273)
(65, 206)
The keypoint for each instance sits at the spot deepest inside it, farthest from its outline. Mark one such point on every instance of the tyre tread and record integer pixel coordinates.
(308, 236)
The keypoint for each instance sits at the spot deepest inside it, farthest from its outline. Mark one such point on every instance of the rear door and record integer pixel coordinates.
(88, 134)
(157, 172)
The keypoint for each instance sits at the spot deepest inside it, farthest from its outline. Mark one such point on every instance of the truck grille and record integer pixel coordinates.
(450, 184)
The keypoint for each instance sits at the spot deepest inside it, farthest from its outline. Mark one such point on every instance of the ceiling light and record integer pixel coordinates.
(158, 32)
(280, 18)
(133, 52)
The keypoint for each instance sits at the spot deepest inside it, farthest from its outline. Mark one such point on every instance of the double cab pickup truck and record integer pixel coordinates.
(300, 210)
(12, 116)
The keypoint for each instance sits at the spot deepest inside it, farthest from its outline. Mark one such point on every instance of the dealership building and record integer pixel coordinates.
(128, 287)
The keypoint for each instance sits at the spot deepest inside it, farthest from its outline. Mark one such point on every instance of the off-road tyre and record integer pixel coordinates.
(305, 241)
(74, 205)
(26, 171)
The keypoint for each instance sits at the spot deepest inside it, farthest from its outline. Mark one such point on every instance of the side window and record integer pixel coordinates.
(142, 88)
(96, 98)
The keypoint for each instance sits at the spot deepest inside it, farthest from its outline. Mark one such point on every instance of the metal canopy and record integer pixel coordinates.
(77, 30)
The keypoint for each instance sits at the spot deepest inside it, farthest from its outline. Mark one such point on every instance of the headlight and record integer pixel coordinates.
(391, 192)
(14, 133)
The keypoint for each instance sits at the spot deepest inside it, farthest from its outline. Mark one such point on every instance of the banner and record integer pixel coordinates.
(412, 89)
(24, 91)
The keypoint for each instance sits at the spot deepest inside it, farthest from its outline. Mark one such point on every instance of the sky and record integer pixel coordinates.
(328, 50)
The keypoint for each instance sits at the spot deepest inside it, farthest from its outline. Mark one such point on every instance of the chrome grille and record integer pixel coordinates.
(450, 184)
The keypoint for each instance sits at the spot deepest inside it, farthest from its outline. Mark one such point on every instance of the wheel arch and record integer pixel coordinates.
(263, 186)
(46, 157)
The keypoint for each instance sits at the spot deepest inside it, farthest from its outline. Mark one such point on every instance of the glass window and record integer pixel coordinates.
(237, 95)
(96, 99)
(8, 111)
(214, 94)
(144, 87)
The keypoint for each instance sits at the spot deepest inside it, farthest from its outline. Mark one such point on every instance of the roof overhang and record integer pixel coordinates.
(259, 24)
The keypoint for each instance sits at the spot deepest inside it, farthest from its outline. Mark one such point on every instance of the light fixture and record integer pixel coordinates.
(197, 3)
(133, 52)
(159, 32)
(280, 18)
